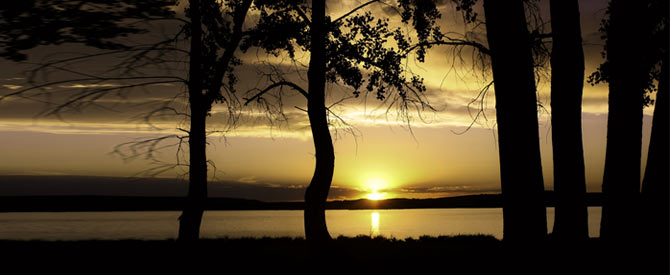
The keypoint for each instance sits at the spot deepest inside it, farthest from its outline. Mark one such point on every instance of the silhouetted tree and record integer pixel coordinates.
(655, 191)
(521, 180)
(567, 81)
(656, 182)
(343, 50)
(214, 34)
(627, 69)
(207, 69)
(511, 54)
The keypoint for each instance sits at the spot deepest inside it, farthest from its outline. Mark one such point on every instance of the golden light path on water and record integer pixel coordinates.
(374, 224)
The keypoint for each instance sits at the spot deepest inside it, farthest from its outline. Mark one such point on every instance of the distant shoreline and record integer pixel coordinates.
(128, 203)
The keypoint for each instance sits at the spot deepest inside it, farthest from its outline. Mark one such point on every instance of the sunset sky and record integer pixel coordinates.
(438, 157)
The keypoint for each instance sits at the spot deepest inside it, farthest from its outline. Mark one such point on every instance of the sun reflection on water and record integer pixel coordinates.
(374, 224)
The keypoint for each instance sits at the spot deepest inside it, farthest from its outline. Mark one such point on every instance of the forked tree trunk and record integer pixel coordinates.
(524, 216)
(567, 83)
(316, 231)
(189, 222)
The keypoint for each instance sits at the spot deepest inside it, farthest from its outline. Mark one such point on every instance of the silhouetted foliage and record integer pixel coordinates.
(351, 50)
(213, 35)
(27, 24)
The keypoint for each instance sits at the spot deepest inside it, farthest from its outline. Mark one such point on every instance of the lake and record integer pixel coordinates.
(158, 225)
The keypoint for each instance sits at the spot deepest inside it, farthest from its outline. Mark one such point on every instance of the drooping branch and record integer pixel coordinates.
(275, 85)
(96, 94)
(452, 42)
(23, 91)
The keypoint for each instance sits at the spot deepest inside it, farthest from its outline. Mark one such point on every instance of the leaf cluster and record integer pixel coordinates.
(424, 16)
(30, 23)
(359, 47)
(653, 36)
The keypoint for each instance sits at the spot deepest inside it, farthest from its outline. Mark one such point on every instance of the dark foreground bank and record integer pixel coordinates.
(476, 254)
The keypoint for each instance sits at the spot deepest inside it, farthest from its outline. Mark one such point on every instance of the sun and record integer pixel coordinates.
(375, 196)
(375, 184)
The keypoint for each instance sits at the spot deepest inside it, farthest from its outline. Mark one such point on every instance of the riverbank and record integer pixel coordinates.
(466, 254)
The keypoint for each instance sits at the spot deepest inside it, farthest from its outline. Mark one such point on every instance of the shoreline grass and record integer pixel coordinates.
(463, 254)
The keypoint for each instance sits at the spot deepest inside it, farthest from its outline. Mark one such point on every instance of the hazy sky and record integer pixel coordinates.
(436, 158)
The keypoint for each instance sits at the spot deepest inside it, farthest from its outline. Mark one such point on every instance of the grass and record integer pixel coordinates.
(464, 254)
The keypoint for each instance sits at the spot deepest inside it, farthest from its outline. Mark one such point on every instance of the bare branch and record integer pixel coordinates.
(480, 111)
(23, 91)
(354, 10)
(452, 42)
(275, 85)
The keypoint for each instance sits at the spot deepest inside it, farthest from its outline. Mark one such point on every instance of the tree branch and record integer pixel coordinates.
(453, 42)
(302, 14)
(275, 85)
(23, 91)
(354, 10)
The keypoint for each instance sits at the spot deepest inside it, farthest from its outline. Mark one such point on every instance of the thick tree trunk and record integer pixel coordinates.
(524, 212)
(189, 222)
(316, 231)
(567, 83)
(655, 191)
(627, 80)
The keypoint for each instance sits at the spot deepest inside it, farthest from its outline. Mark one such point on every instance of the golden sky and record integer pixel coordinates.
(436, 158)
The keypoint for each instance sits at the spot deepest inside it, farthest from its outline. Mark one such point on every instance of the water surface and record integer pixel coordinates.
(157, 225)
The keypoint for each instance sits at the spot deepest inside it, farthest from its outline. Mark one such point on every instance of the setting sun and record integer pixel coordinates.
(375, 184)
(376, 196)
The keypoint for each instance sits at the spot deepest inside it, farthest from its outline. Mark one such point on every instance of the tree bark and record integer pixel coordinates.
(627, 81)
(316, 231)
(189, 222)
(567, 83)
(524, 214)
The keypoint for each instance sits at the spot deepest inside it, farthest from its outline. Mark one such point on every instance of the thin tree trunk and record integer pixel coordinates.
(627, 80)
(524, 216)
(316, 231)
(189, 222)
(567, 83)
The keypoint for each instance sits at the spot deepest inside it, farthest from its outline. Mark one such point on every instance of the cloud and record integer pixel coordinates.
(12, 87)
(250, 179)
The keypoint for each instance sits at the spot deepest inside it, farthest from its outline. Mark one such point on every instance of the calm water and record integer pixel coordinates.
(163, 224)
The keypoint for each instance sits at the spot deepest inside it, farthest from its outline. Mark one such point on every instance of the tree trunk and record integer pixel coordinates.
(524, 214)
(656, 208)
(567, 83)
(316, 231)
(627, 80)
(189, 222)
